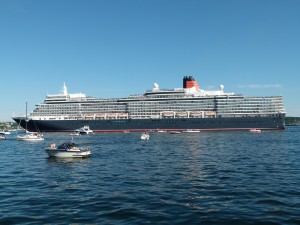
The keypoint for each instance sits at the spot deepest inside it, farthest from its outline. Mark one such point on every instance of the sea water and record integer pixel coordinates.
(187, 178)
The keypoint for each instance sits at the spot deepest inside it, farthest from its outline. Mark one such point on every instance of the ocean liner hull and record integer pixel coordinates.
(204, 124)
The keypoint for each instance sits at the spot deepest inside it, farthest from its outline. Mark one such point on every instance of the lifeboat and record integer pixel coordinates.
(210, 113)
(100, 116)
(111, 115)
(168, 114)
(89, 115)
(195, 114)
(123, 115)
(181, 114)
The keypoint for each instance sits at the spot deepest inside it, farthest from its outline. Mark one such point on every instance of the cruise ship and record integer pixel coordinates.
(158, 109)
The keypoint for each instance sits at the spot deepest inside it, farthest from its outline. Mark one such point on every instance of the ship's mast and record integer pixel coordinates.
(26, 117)
(65, 90)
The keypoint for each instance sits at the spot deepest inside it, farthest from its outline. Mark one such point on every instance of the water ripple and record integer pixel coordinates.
(203, 178)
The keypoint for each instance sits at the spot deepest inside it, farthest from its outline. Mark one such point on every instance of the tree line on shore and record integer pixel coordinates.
(292, 120)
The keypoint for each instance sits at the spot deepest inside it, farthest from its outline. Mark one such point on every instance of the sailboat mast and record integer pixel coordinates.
(26, 117)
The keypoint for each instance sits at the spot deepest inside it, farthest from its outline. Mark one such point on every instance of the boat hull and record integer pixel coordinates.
(29, 138)
(138, 125)
(67, 153)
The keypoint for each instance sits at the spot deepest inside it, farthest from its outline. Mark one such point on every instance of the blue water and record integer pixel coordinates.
(187, 178)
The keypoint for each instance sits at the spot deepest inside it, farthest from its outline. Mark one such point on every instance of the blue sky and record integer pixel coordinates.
(114, 48)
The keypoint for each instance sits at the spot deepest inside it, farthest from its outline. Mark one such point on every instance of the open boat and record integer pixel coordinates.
(67, 150)
(145, 136)
(2, 138)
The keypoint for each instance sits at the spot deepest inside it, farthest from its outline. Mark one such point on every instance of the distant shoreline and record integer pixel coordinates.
(289, 121)
(292, 121)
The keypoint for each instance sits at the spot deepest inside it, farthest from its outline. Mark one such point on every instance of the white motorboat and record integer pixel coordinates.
(255, 131)
(161, 131)
(30, 136)
(174, 132)
(84, 130)
(2, 138)
(67, 150)
(4, 132)
(191, 131)
(145, 136)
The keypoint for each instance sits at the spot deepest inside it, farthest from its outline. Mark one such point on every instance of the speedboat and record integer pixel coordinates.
(67, 150)
(30, 136)
(4, 132)
(84, 130)
(145, 136)
(255, 131)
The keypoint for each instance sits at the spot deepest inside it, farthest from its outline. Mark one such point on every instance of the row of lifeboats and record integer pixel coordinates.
(165, 114)
(106, 115)
(194, 114)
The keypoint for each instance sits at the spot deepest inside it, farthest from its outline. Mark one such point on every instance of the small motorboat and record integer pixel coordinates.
(126, 131)
(2, 138)
(67, 150)
(191, 131)
(161, 131)
(84, 130)
(30, 136)
(255, 131)
(4, 132)
(145, 136)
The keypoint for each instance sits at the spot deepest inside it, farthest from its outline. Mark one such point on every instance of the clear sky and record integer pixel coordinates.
(114, 48)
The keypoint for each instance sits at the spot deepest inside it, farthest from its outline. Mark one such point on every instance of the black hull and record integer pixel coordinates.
(137, 125)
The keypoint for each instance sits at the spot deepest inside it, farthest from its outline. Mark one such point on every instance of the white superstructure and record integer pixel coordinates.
(157, 103)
